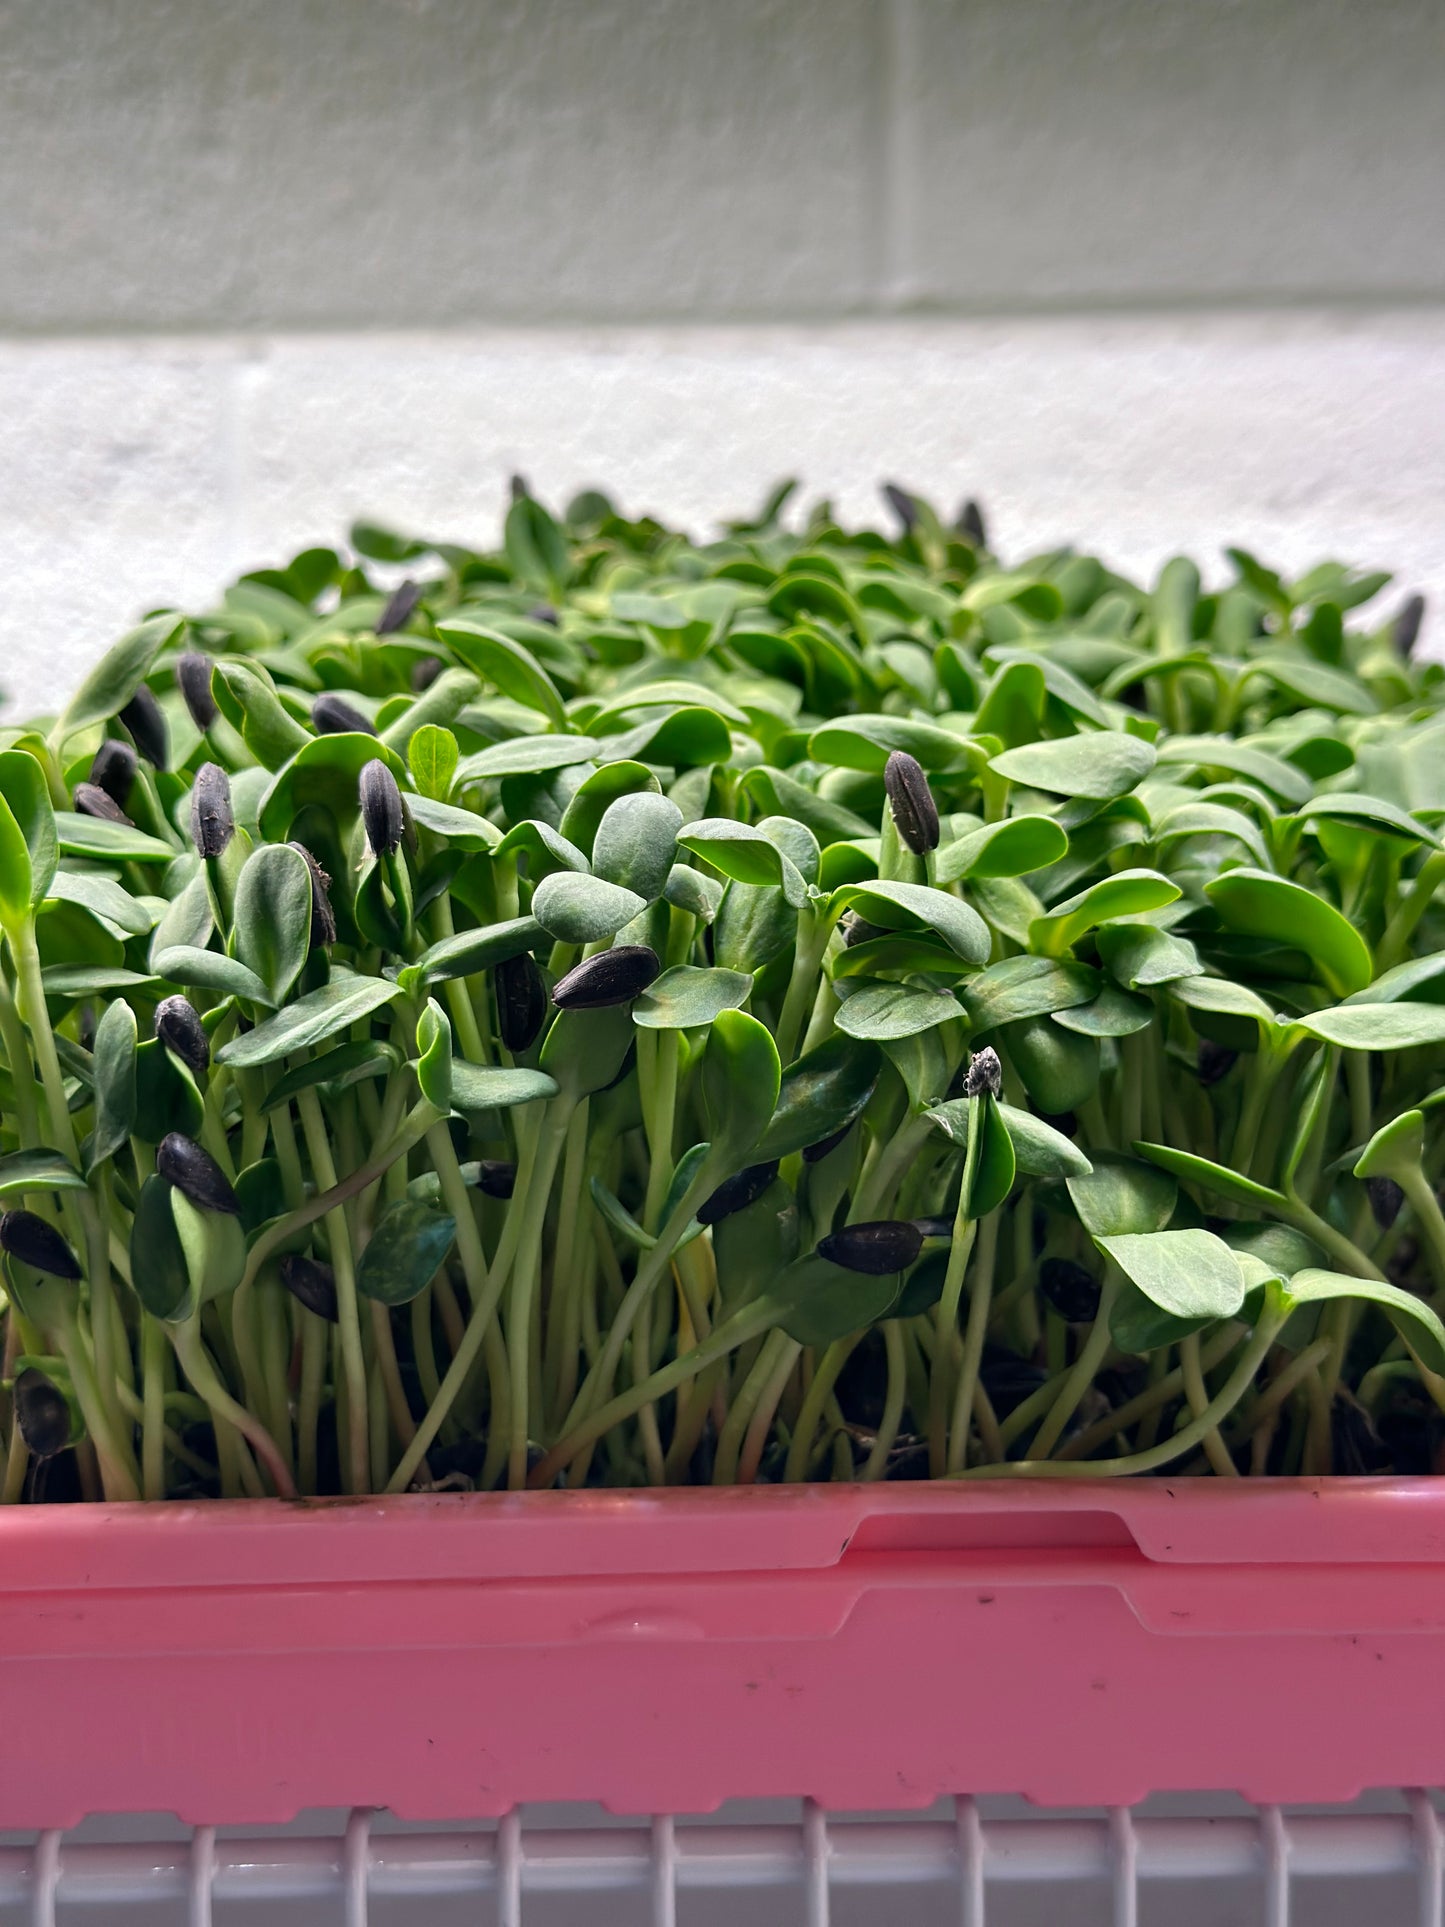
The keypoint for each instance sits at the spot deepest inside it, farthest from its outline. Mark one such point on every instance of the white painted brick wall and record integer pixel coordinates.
(1149, 273)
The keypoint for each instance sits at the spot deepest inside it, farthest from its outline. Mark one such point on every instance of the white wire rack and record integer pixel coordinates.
(970, 1867)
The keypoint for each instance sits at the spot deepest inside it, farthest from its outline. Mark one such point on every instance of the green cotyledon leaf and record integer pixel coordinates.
(1261, 905)
(1099, 764)
(1189, 1274)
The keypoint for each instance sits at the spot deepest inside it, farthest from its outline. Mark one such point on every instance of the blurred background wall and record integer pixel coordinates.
(1149, 274)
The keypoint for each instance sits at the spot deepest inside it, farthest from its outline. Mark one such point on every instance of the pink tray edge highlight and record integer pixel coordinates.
(871, 1647)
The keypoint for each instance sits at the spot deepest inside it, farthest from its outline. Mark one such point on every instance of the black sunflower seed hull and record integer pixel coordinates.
(36, 1242)
(144, 719)
(1072, 1291)
(737, 1193)
(1407, 624)
(1216, 1061)
(381, 810)
(193, 679)
(181, 1031)
(195, 1174)
(1386, 1199)
(1009, 1379)
(425, 673)
(935, 1227)
(91, 800)
(400, 607)
(323, 917)
(887, 1245)
(612, 977)
(815, 1153)
(42, 1413)
(496, 1178)
(857, 929)
(114, 770)
(902, 505)
(331, 716)
(970, 524)
(311, 1284)
(985, 1073)
(915, 814)
(212, 821)
(521, 1001)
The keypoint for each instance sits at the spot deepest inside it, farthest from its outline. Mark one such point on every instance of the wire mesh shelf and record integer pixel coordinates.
(969, 1863)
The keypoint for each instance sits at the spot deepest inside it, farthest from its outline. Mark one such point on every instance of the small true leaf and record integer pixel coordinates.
(819, 1301)
(310, 1020)
(405, 1251)
(1396, 1026)
(879, 1012)
(819, 1095)
(1120, 1196)
(689, 995)
(494, 1087)
(1189, 1274)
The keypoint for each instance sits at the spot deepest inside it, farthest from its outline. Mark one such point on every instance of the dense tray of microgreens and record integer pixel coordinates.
(813, 1004)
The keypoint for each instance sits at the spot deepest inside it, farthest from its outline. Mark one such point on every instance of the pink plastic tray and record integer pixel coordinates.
(870, 1647)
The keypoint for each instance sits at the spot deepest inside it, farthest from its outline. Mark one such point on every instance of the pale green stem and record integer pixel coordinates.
(1428, 1216)
(277, 1235)
(526, 1282)
(825, 1377)
(22, 1071)
(242, 1308)
(17, 1460)
(275, 1326)
(1412, 906)
(1167, 1386)
(876, 1191)
(1197, 1395)
(356, 1455)
(1184, 1440)
(315, 1345)
(117, 1463)
(657, 1056)
(946, 1315)
(1267, 1405)
(402, 1422)
(893, 1401)
(483, 1312)
(766, 1410)
(751, 1322)
(198, 1369)
(153, 1422)
(1080, 1377)
(651, 1268)
(812, 940)
(745, 1403)
(980, 1297)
